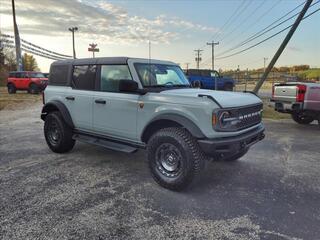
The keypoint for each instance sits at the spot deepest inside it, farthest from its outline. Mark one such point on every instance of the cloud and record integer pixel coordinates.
(99, 20)
(294, 49)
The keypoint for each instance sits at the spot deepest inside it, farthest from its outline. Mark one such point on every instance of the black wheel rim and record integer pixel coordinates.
(54, 133)
(169, 160)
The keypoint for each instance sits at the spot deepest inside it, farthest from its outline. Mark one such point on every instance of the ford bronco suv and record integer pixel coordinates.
(33, 82)
(125, 104)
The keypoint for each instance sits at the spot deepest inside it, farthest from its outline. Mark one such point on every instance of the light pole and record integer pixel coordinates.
(73, 29)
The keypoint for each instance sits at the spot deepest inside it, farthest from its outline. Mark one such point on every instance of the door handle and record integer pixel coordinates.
(70, 98)
(100, 101)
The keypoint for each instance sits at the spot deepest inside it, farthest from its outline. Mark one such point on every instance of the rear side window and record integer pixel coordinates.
(18, 75)
(205, 73)
(24, 75)
(83, 77)
(193, 72)
(59, 75)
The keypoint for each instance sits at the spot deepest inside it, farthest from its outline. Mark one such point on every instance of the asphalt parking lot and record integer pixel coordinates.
(93, 193)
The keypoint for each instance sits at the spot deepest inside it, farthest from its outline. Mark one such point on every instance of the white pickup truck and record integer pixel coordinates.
(301, 100)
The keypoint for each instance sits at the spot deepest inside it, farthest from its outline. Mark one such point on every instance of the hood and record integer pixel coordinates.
(224, 98)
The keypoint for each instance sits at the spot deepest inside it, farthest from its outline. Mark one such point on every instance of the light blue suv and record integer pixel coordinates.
(125, 104)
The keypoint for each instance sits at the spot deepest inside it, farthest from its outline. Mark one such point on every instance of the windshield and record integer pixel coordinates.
(161, 75)
(36, 75)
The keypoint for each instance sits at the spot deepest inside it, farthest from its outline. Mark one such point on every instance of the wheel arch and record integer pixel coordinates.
(57, 106)
(170, 120)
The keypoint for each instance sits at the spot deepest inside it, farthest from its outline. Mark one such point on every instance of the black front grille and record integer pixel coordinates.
(249, 116)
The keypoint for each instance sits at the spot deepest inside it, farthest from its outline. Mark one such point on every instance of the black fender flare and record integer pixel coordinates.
(181, 120)
(56, 105)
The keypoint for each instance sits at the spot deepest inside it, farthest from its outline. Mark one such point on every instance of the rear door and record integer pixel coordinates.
(79, 98)
(114, 112)
(24, 80)
(17, 80)
(207, 80)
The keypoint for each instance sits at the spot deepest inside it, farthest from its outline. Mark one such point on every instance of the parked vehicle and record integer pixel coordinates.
(33, 82)
(301, 100)
(126, 104)
(206, 79)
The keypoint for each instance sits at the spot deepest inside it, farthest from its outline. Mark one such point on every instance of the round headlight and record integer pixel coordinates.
(222, 119)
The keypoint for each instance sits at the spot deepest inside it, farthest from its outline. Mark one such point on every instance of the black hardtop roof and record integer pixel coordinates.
(25, 72)
(101, 60)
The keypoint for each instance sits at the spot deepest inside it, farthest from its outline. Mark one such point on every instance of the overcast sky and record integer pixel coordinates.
(174, 27)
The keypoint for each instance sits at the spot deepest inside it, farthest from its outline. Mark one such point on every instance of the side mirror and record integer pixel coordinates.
(128, 86)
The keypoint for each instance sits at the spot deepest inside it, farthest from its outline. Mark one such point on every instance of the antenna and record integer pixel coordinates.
(149, 51)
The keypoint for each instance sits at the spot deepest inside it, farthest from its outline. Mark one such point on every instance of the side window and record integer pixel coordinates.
(205, 73)
(59, 75)
(83, 77)
(18, 75)
(111, 75)
(12, 75)
(214, 74)
(24, 75)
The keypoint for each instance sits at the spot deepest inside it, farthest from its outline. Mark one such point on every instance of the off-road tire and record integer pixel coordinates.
(11, 88)
(190, 162)
(236, 156)
(301, 118)
(33, 89)
(57, 133)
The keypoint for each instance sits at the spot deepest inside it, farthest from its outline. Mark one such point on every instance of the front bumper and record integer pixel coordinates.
(228, 146)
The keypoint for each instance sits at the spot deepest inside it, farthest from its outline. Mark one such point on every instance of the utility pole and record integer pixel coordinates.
(198, 57)
(73, 29)
(282, 46)
(187, 66)
(264, 63)
(16, 39)
(93, 48)
(212, 44)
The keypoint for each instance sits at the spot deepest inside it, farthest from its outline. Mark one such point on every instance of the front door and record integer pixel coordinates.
(115, 113)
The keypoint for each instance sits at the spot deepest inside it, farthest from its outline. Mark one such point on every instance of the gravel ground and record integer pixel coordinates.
(93, 193)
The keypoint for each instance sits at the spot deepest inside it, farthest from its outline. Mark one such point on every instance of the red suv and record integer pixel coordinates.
(33, 82)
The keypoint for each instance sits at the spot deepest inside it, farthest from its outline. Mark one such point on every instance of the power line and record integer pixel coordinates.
(243, 21)
(229, 19)
(283, 45)
(36, 46)
(32, 52)
(255, 36)
(236, 17)
(266, 39)
(226, 24)
(255, 21)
